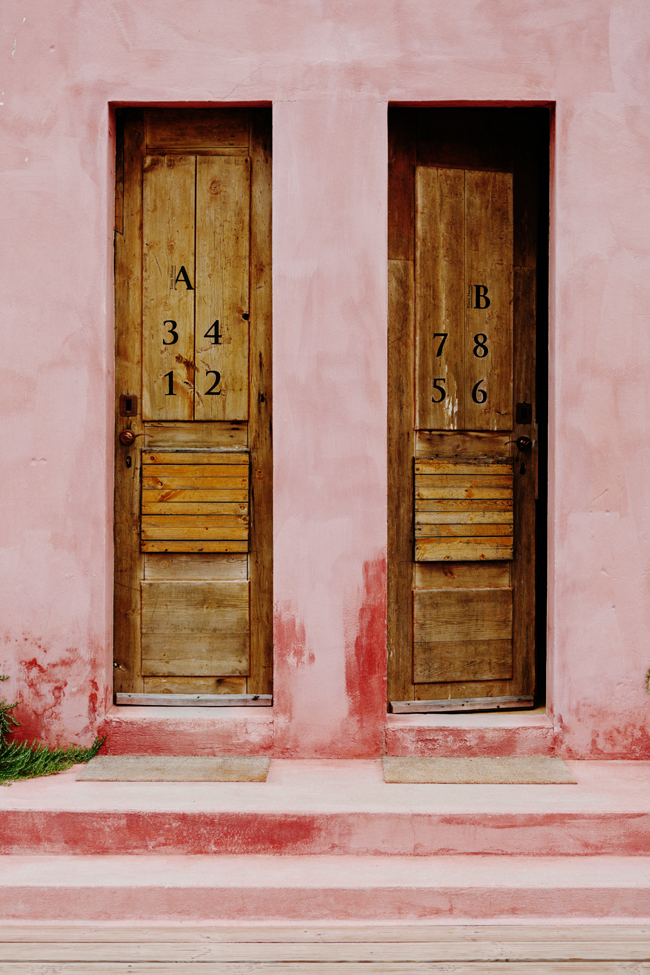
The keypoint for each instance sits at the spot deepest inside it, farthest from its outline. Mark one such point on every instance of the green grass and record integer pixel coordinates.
(27, 760)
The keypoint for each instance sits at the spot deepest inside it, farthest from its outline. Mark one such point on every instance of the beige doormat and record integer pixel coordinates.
(501, 771)
(174, 768)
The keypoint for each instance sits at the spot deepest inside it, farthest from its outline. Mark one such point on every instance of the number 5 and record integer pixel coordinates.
(439, 389)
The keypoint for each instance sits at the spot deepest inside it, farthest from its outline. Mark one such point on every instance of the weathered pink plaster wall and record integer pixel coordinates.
(329, 68)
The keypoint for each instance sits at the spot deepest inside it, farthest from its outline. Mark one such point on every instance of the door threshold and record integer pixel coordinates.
(450, 705)
(197, 700)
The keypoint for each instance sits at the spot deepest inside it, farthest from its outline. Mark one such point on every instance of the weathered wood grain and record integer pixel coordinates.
(181, 567)
(218, 458)
(439, 298)
(195, 628)
(261, 406)
(165, 436)
(195, 685)
(168, 293)
(462, 549)
(128, 379)
(462, 575)
(222, 287)
(458, 615)
(488, 264)
(401, 358)
(467, 660)
(197, 128)
(205, 545)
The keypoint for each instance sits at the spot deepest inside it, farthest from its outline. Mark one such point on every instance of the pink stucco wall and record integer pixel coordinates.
(329, 69)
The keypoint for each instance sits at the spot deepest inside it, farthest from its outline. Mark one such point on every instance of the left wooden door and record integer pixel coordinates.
(193, 449)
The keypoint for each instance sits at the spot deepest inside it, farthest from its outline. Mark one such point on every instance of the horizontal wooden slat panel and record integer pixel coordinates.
(478, 480)
(467, 444)
(461, 575)
(196, 530)
(435, 662)
(193, 495)
(195, 628)
(193, 508)
(195, 653)
(195, 685)
(165, 436)
(464, 518)
(446, 504)
(195, 457)
(227, 471)
(197, 128)
(459, 493)
(461, 549)
(458, 615)
(205, 545)
(438, 466)
(462, 530)
(181, 566)
(188, 482)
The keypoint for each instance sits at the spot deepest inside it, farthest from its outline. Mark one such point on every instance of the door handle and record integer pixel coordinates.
(523, 443)
(127, 438)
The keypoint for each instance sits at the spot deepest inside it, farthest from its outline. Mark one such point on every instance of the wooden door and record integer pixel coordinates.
(464, 192)
(193, 463)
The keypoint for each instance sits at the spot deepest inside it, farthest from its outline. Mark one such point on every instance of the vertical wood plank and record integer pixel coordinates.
(488, 289)
(523, 568)
(401, 337)
(128, 379)
(222, 256)
(260, 414)
(439, 303)
(401, 177)
(168, 299)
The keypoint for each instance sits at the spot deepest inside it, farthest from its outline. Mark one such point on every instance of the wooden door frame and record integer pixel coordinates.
(130, 145)
(401, 334)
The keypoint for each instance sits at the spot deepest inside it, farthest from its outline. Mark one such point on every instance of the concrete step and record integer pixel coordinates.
(332, 807)
(326, 889)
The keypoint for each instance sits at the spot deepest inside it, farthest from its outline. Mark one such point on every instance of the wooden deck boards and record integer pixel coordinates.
(404, 949)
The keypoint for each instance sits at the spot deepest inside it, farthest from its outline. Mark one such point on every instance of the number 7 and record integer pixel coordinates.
(443, 336)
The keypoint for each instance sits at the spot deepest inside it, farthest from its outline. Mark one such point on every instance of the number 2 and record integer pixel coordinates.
(213, 391)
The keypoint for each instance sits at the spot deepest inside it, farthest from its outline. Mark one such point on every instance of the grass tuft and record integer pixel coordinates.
(27, 760)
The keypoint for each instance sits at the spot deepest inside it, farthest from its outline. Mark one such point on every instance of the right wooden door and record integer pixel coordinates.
(464, 276)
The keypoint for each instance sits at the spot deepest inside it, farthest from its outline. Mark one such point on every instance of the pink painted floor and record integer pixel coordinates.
(332, 807)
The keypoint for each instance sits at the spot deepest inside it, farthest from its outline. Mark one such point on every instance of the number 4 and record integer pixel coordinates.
(214, 333)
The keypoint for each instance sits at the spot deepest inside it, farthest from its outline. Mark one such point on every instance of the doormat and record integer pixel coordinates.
(174, 768)
(498, 771)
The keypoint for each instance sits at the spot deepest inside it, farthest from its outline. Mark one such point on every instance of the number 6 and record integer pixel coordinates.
(479, 395)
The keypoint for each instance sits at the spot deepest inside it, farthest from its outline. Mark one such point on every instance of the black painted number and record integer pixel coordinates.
(439, 389)
(170, 377)
(214, 333)
(213, 391)
(443, 337)
(480, 345)
(479, 395)
(171, 331)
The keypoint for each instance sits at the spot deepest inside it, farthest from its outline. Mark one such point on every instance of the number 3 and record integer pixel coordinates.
(172, 331)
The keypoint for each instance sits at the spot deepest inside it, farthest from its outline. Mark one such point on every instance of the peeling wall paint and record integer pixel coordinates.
(329, 70)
